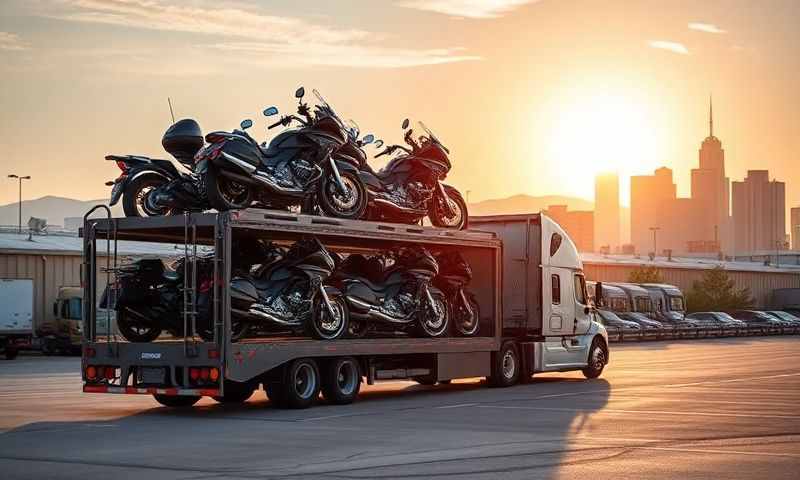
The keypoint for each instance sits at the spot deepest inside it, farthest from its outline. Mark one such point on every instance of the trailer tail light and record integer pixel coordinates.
(111, 373)
(91, 372)
(214, 374)
(194, 374)
(202, 376)
(213, 354)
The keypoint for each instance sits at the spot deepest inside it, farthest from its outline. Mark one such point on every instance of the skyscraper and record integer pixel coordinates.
(711, 192)
(795, 228)
(579, 224)
(606, 211)
(651, 199)
(759, 207)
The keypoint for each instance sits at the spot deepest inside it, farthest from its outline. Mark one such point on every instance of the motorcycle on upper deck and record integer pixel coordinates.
(410, 186)
(152, 186)
(295, 169)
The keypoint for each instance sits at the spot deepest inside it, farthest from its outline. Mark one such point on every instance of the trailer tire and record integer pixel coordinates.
(341, 380)
(598, 356)
(300, 387)
(236, 392)
(176, 401)
(506, 366)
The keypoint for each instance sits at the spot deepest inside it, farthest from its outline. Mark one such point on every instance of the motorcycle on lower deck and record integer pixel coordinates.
(410, 186)
(153, 187)
(397, 297)
(290, 293)
(455, 274)
(295, 169)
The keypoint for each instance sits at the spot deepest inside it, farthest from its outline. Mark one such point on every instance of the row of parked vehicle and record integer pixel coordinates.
(655, 311)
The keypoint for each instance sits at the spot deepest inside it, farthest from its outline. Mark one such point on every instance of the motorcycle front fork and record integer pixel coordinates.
(467, 306)
(325, 299)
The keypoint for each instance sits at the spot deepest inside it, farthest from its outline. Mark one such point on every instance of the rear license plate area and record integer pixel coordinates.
(151, 375)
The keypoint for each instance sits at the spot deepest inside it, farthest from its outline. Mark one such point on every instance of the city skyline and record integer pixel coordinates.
(537, 101)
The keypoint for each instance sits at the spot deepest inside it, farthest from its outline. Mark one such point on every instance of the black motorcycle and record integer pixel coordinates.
(290, 293)
(410, 186)
(296, 169)
(152, 187)
(455, 274)
(393, 290)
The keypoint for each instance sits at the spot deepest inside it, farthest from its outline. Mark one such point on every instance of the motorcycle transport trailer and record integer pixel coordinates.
(528, 283)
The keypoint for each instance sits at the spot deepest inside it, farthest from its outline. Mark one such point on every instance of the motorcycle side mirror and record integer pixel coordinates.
(300, 92)
(368, 139)
(246, 124)
(405, 124)
(268, 112)
(378, 143)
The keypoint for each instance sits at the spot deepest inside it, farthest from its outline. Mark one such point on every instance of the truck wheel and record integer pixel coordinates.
(176, 401)
(300, 386)
(236, 392)
(341, 381)
(505, 366)
(597, 360)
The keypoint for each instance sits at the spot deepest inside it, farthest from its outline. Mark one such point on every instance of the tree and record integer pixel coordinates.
(645, 274)
(716, 291)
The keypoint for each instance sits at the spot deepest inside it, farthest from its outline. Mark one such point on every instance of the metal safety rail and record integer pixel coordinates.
(89, 273)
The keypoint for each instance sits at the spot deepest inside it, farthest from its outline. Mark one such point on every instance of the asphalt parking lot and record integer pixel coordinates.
(715, 408)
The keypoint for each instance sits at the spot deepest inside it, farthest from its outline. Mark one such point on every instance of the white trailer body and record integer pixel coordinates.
(16, 306)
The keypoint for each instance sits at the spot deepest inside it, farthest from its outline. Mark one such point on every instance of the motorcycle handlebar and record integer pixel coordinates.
(279, 122)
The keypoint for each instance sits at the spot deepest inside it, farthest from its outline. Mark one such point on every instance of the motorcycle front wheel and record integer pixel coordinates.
(134, 331)
(434, 319)
(467, 324)
(325, 326)
(225, 194)
(352, 205)
(135, 197)
(439, 216)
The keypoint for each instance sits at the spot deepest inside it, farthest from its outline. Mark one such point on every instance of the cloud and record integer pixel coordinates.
(282, 41)
(467, 8)
(11, 42)
(340, 55)
(706, 27)
(673, 47)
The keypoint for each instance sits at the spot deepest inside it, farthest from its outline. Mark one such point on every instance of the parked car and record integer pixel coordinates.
(786, 317)
(650, 328)
(721, 320)
(760, 321)
(625, 328)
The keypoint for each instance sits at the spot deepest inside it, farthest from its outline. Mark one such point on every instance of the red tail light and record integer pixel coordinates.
(204, 374)
(214, 374)
(111, 373)
(213, 353)
(91, 372)
(122, 165)
(194, 373)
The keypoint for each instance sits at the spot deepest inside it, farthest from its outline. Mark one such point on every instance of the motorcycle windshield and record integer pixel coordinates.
(433, 136)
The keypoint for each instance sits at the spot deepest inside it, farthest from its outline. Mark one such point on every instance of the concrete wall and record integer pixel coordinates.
(761, 284)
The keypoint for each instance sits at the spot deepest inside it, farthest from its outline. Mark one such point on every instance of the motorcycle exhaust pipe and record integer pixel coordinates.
(392, 205)
(272, 318)
(376, 314)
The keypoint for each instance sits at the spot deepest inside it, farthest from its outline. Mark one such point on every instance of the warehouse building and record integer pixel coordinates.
(761, 279)
(54, 261)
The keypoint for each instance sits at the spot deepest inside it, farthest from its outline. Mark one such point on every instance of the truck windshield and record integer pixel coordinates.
(644, 304)
(72, 309)
(676, 304)
(618, 304)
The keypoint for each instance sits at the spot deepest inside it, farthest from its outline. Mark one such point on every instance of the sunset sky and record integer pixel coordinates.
(531, 96)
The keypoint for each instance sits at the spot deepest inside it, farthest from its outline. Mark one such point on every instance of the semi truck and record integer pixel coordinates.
(62, 334)
(535, 314)
(16, 315)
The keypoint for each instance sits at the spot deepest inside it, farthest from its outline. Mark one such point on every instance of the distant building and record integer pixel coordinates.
(578, 224)
(606, 212)
(651, 199)
(795, 228)
(73, 223)
(759, 221)
(711, 193)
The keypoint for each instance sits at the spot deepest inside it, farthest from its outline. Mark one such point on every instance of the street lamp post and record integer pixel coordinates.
(655, 232)
(26, 177)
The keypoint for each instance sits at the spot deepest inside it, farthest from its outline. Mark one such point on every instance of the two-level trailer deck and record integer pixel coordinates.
(293, 369)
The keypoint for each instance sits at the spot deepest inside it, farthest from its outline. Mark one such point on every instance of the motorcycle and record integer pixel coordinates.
(149, 296)
(454, 274)
(152, 187)
(296, 168)
(290, 293)
(409, 187)
(399, 296)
